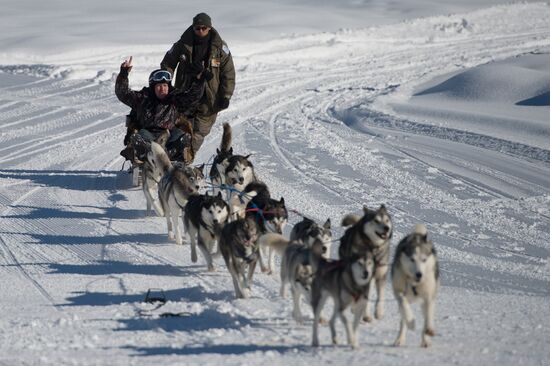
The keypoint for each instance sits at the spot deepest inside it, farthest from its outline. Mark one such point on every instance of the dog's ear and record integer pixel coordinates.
(217, 151)
(282, 201)
(383, 209)
(220, 196)
(201, 168)
(365, 209)
(230, 151)
(327, 224)
(247, 156)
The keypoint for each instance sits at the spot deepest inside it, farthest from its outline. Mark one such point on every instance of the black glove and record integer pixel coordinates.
(207, 75)
(195, 68)
(124, 70)
(223, 103)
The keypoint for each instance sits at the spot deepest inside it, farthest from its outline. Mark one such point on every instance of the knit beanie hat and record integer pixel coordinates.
(202, 19)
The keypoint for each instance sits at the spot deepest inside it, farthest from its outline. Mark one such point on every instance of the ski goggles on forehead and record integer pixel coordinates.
(161, 75)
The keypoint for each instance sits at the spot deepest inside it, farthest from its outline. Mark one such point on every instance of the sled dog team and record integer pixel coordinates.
(244, 224)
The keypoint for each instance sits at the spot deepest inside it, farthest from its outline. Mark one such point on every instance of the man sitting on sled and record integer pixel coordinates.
(158, 108)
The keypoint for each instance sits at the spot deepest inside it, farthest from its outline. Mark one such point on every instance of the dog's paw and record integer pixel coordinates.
(430, 332)
(194, 257)
(315, 343)
(398, 342)
(425, 343)
(335, 341)
(171, 236)
(323, 321)
(211, 269)
(367, 318)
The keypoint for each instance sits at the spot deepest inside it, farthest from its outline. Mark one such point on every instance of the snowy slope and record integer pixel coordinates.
(398, 114)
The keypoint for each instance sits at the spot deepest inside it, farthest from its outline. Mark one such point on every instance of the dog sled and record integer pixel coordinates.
(136, 147)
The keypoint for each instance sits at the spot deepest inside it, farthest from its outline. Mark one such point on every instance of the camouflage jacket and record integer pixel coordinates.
(220, 64)
(155, 114)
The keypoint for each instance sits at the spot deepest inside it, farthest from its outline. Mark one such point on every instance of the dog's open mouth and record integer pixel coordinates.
(384, 235)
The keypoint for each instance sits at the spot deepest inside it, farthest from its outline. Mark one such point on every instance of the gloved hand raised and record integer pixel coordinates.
(126, 66)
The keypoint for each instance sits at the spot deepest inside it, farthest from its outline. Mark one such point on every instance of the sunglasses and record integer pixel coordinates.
(160, 75)
(200, 28)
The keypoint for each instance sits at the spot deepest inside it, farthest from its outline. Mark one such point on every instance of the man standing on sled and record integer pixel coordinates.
(158, 108)
(201, 50)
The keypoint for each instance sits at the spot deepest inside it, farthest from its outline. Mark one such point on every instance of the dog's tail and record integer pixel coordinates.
(350, 220)
(420, 229)
(226, 137)
(275, 241)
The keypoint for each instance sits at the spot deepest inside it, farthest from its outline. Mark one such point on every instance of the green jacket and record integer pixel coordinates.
(220, 64)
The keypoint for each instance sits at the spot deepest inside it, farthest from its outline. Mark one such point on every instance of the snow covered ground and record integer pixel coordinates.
(441, 118)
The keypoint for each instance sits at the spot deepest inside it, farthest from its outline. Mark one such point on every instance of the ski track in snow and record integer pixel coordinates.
(308, 109)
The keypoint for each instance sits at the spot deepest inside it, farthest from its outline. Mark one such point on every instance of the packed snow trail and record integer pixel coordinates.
(78, 253)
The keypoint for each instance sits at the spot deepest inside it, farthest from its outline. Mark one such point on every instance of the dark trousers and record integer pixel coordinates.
(152, 135)
(202, 125)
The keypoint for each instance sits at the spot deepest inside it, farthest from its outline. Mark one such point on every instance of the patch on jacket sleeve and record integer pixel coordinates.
(226, 49)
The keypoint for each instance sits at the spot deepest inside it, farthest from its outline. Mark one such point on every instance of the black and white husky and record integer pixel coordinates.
(204, 217)
(175, 188)
(271, 216)
(415, 276)
(219, 165)
(371, 232)
(347, 283)
(307, 231)
(240, 252)
(238, 174)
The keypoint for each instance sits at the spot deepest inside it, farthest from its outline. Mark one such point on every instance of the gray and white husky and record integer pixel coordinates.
(347, 283)
(415, 276)
(298, 272)
(175, 188)
(204, 218)
(307, 231)
(371, 232)
(238, 247)
(155, 164)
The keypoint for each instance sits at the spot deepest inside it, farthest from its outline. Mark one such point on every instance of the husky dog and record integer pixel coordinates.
(239, 171)
(271, 216)
(238, 247)
(219, 165)
(155, 164)
(204, 218)
(415, 276)
(297, 270)
(346, 282)
(175, 188)
(372, 233)
(307, 231)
